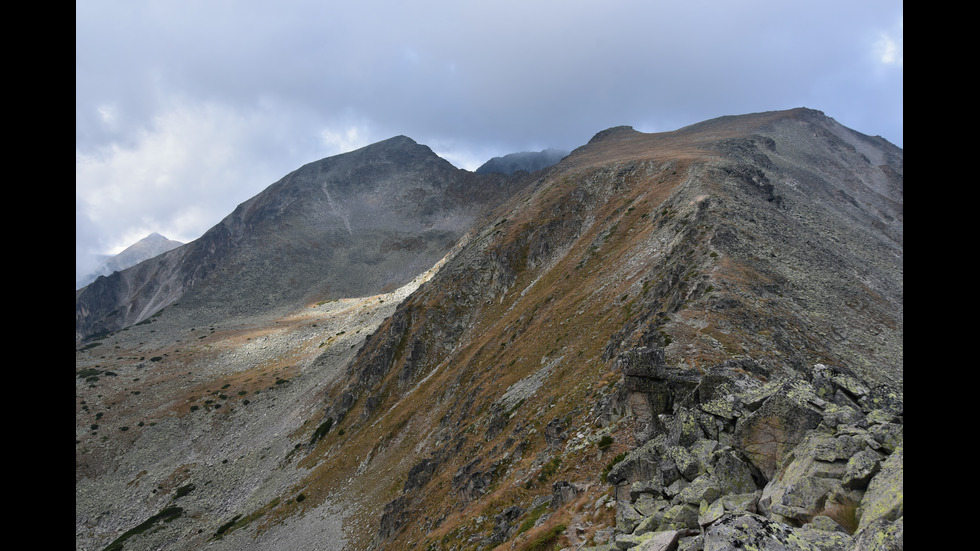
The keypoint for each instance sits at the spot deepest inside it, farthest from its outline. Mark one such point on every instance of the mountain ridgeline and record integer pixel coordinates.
(683, 340)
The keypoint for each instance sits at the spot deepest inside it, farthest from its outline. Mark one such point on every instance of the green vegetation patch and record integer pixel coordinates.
(184, 490)
(549, 469)
(87, 372)
(532, 518)
(322, 430)
(226, 527)
(547, 539)
(166, 515)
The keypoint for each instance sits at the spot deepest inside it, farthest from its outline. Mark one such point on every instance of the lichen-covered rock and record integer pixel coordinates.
(702, 488)
(660, 541)
(888, 436)
(649, 505)
(627, 518)
(884, 398)
(778, 465)
(880, 535)
(732, 474)
(860, 468)
(822, 539)
(884, 499)
(691, 543)
(680, 516)
(756, 532)
(640, 464)
(728, 504)
(804, 499)
(771, 432)
(684, 428)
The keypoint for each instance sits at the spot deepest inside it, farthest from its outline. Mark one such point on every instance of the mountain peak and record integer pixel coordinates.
(150, 246)
(614, 132)
(528, 161)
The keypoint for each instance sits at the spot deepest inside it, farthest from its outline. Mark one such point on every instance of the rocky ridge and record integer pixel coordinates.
(614, 349)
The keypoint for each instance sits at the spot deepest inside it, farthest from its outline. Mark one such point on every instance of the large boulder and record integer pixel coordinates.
(768, 434)
(884, 499)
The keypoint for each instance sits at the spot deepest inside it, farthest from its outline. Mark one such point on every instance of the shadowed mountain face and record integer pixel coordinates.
(350, 225)
(695, 334)
(528, 161)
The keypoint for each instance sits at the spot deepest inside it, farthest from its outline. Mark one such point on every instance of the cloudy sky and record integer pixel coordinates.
(186, 108)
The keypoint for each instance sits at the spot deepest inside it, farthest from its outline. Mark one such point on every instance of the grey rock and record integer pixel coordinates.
(702, 488)
(880, 535)
(691, 543)
(888, 436)
(504, 524)
(771, 432)
(640, 464)
(885, 499)
(648, 505)
(749, 531)
(860, 468)
(821, 522)
(627, 518)
(649, 487)
(563, 492)
(680, 516)
(732, 474)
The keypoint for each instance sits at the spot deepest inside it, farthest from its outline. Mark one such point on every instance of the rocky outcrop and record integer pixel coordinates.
(743, 461)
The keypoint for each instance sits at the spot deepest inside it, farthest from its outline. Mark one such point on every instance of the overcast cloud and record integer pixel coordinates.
(186, 108)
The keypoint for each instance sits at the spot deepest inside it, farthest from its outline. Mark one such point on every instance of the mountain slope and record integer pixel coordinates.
(659, 300)
(351, 225)
(770, 238)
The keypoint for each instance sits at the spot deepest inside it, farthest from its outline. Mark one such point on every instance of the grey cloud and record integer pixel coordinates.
(472, 78)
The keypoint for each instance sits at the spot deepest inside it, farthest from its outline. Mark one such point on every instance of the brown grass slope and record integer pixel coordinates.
(772, 237)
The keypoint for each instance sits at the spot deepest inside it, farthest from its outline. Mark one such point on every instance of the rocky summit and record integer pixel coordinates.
(686, 340)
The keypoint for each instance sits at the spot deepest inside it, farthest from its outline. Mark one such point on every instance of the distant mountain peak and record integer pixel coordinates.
(528, 161)
(150, 246)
